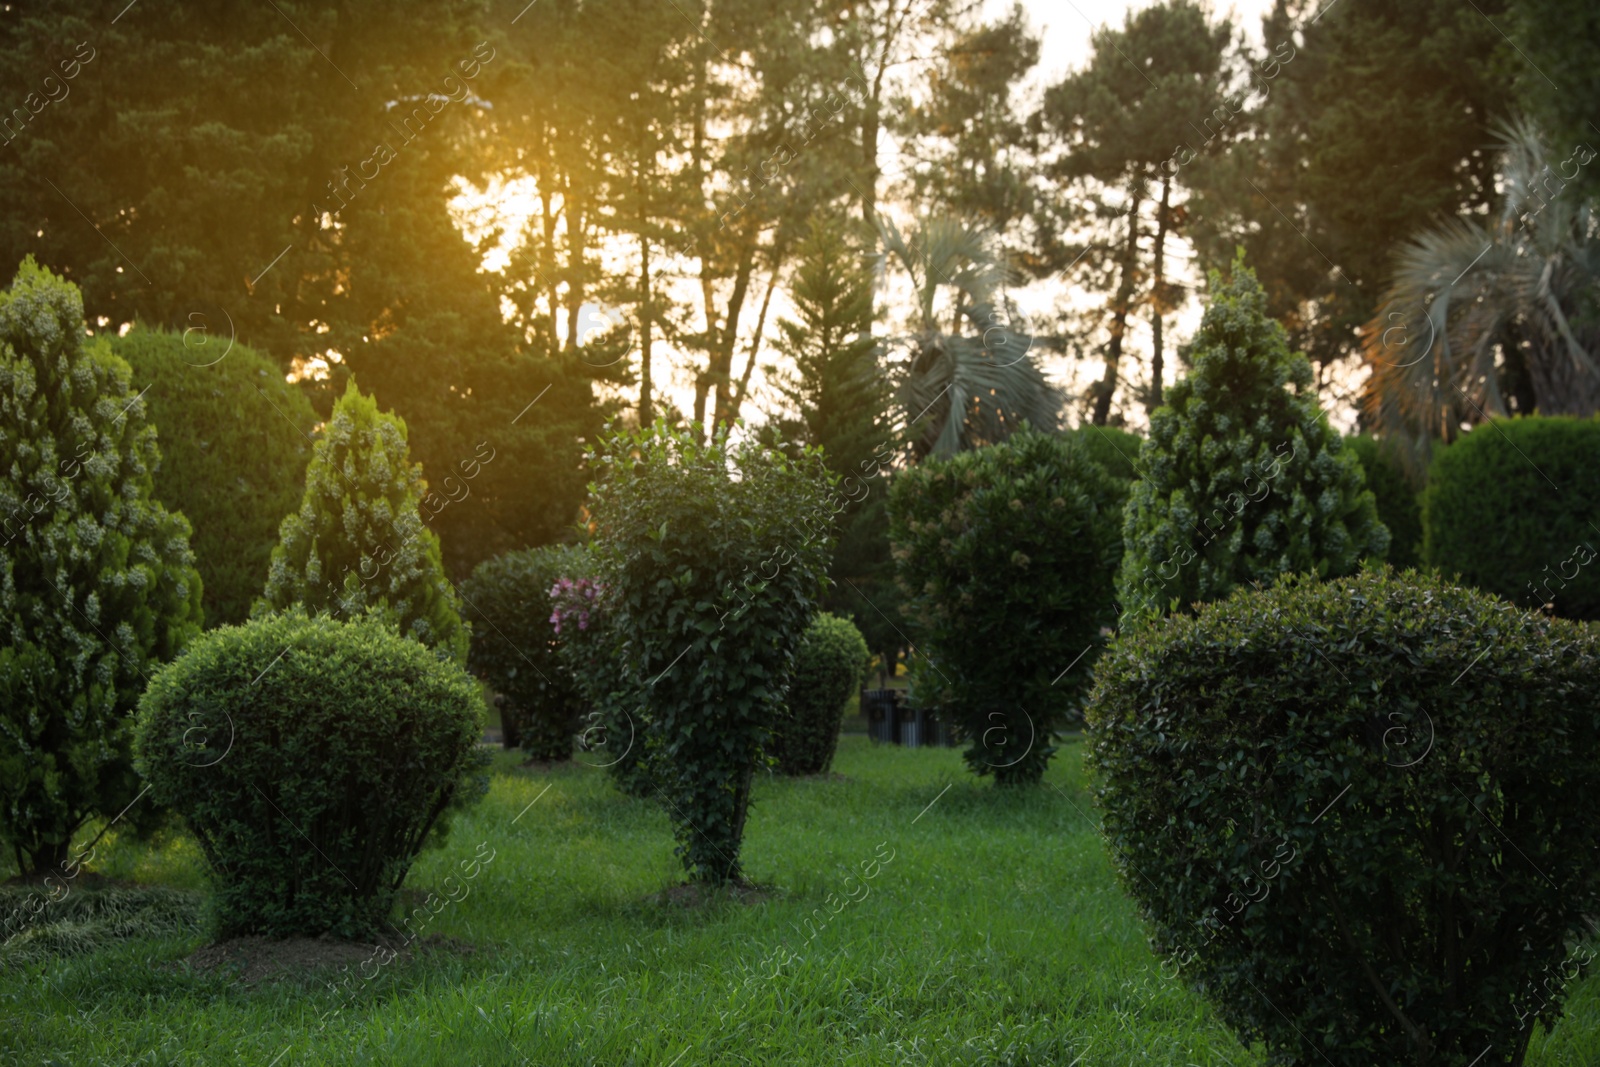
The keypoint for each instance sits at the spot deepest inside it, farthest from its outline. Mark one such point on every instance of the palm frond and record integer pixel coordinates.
(1468, 297)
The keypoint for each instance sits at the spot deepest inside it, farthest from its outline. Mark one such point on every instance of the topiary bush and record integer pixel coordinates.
(311, 758)
(357, 543)
(1243, 480)
(1399, 505)
(1354, 812)
(97, 583)
(516, 649)
(234, 447)
(828, 665)
(710, 580)
(1005, 555)
(1115, 449)
(1512, 509)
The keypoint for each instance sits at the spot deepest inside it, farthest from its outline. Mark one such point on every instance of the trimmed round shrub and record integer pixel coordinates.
(311, 758)
(1243, 479)
(1005, 555)
(709, 580)
(1512, 508)
(234, 448)
(1355, 812)
(515, 647)
(1115, 449)
(828, 665)
(1399, 505)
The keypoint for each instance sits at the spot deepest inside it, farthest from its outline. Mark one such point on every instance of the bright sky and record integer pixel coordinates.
(1066, 27)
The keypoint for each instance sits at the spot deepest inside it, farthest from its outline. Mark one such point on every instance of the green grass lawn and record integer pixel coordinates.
(994, 934)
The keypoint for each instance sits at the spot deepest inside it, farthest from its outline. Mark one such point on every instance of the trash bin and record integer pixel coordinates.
(882, 709)
(913, 727)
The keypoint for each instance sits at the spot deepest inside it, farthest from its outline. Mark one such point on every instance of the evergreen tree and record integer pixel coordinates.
(1244, 479)
(1559, 82)
(358, 542)
(1149, 86)
(836, 385)
(843, 400)
(1321, 193)
(234, 445)
(97, 583)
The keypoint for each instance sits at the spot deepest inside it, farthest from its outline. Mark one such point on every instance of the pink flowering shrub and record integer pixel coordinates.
(574, 600)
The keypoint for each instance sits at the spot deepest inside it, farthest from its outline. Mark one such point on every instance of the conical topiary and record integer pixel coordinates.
(358, 543)
(97, 582)
(1242, 480)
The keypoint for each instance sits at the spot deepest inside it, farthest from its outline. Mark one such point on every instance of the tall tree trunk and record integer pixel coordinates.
(743, 389)
(49, 857)
(1107, 385)
(1158, 298)
(646, 331)
(728, 336)
(544, 178)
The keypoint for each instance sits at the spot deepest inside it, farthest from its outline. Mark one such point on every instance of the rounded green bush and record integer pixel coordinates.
(515, 647)
(234, 449)
(1006, 555)
(1399, 506)
(1512, 508)
(1355, 812)
(311, 758)
(1115, 449)
(828, 665)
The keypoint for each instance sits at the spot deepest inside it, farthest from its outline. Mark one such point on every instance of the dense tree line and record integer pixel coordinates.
(284, 177)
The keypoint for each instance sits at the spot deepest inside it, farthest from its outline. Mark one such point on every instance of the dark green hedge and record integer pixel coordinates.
(311, 758)
(515, 647)
(1355, 812)
(1399, 505)
(1512, 508)
(828, 665)
(1006, 556)
(1115, 449)
(234, 449)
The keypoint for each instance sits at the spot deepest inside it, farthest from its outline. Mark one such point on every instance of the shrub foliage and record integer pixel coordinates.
(1352, 812)
(1005, 555)
(97, 583)
(1242, 479)
(710, 581)
(516, 649)
(828, 665)
(358, 544)
(234, 447)
(1399, 506)
(1511, 508)
(311, 758)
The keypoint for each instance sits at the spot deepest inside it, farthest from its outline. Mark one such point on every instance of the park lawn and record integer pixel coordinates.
(994, 933)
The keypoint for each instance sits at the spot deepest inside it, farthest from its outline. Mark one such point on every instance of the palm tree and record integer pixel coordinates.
(1485, 311)
(991, 382)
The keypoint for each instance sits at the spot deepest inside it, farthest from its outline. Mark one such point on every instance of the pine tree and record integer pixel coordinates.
(1244, 479)
(843, 399)
(97, 582)
(836, 386)
(358, 542)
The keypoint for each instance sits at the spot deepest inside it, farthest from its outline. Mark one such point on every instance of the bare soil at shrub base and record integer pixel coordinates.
(694, 895)
(256, 959)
